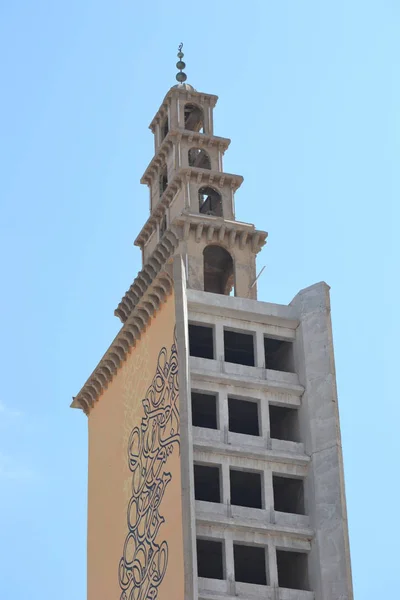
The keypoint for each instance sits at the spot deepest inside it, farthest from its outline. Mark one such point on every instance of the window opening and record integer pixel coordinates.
(250, 564)
(243, 416)
(210, 202)
(245, 488)
(288, 494)
(292, 570)
(204, 410)
(201, 341)
(218, 270)
(194, 119)
(278, 355)
(164, 128)
(284, 423)
(199, 158)
(207, 483)
(163, 180)
(210, 559)
(239, 348)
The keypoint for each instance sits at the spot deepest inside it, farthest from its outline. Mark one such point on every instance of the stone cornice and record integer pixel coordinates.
(125, 340)
(162, 252)
(201, 140)
(186, 95)
(204, 176)
(221, 230)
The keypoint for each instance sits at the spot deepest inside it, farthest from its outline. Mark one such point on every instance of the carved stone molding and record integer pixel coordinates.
(125, 340)
(230, 232)
(162, 252)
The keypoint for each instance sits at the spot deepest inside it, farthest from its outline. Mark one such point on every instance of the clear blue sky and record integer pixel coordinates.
(309, 93)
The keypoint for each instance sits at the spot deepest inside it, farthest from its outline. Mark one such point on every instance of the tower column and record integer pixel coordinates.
(319, 423)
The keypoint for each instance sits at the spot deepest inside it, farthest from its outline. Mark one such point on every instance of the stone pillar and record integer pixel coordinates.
(329, 559)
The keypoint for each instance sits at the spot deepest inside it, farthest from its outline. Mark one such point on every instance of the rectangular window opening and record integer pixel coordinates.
(204, 410)
(210, 559)
(239, 348)
(250, 564)
(201, 341)
(246, 488)
(292, 570)
(278, 355)
(207, 483)
(288, 494)
(243, 416)
(284, 423)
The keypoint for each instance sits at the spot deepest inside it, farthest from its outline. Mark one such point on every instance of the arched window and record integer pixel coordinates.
(164, 128)
(199, 158)
(210, 202)
(194, 119)
(163, 180)
(218, 270)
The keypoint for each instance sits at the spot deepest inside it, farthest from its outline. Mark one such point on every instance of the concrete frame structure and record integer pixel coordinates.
(172, 243)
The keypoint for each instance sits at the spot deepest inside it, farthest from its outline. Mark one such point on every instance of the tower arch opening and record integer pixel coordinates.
(210, 202)
(199, 158)
(218, 270)
(164, 128)
(194, 118)
(163, 179)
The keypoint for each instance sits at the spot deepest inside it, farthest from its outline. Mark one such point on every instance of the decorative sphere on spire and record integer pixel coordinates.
(181, 76)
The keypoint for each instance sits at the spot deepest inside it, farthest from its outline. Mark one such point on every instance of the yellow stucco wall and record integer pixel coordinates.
(135, 548)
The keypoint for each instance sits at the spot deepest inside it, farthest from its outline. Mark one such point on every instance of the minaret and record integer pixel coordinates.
(215, 466)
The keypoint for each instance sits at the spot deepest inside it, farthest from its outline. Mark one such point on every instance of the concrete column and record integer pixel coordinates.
(225, 487)
(223, 411)
(210, 130)
(259, 349)
(207, 124)
(264, 420)
(268, 494)
(229, 563)
(272, 566)
(219, 341)
(329, 560)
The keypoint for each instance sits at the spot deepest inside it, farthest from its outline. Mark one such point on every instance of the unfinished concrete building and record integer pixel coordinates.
(215, 465)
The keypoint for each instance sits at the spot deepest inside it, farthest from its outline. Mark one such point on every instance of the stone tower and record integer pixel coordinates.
(215, 466)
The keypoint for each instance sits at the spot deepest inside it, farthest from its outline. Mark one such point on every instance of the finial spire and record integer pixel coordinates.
(181, 76)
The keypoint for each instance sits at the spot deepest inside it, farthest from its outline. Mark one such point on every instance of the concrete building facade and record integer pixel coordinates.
(215, 464)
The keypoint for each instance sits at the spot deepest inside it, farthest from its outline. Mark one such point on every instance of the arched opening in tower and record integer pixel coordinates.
(163, 180)
(164, 128)
(218, 270)
(194, 118)
(210, 202)
(199, 158)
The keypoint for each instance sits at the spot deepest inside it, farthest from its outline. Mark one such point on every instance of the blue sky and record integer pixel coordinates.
(309, 93)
